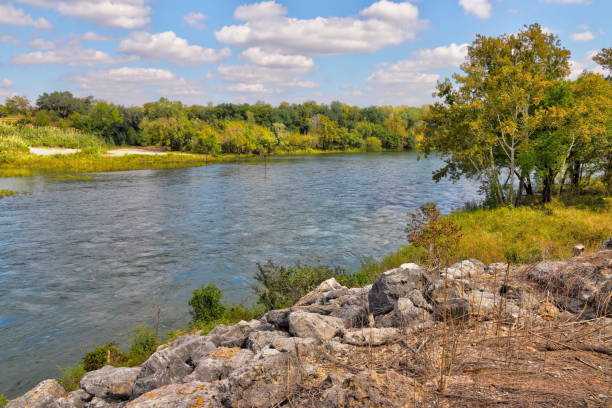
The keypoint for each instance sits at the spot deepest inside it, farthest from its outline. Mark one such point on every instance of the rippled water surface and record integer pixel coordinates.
(82, 261)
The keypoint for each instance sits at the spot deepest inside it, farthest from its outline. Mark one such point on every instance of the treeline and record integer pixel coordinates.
(225, 128)
(513, 120)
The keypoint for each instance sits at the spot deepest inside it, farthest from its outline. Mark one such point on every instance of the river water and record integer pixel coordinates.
(83, 261)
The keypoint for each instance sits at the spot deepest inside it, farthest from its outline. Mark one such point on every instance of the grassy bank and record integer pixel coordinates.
(6, 193)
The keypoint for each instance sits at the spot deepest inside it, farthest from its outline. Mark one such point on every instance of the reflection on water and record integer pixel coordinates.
(82, 261)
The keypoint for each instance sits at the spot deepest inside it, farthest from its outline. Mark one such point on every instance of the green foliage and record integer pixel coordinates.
(100, 356)
(232, 314)
(281, 286)
(6, 193)
(11, 143)
(3, 400)
(206, 304)
(372, 144)
(22, 136)
(63, 104)
(144, 343)
(70, 377)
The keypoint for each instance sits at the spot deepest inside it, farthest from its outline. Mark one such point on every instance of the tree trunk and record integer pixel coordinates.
(519, 193)
(529, 187)
(576, 169)
(549, 180)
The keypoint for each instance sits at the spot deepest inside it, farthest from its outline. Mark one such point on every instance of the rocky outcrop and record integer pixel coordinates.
(267, 362)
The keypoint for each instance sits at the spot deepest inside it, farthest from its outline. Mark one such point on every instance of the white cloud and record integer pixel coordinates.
(382, 24)
(251, 88)
(167, 46)
(69, 57)
(195, 20)
(6, 83)
(41, 44)
(258, 11)
(480, 8)
(16, 16)
(135, 85)
(583, 36)
(260, 57)
(8, 39)
(410, 71)
(548, 30)
(251, 73)
(128, 14)
(91, 36)
(585, 64)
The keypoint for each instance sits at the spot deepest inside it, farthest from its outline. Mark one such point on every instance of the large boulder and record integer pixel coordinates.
(464, 269)
(315, 325)
(371, 336)
(194, 394)
(406, 313)
(296, 345)
(259, 340)
(110, 382)
(45, 395)
(217, 364)
(171, 364)
(75, 399)
(235, 335)
(395, 284)
(279, 318)
(320, 292)
(353, 315)
(452, 310)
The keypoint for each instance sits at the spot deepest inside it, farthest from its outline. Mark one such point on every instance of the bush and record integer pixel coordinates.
(100, 356)
(12, 144)
(372, 144)
(70, 377)
(144, 343)
(3, 400)
(206, 304)
(281, 286)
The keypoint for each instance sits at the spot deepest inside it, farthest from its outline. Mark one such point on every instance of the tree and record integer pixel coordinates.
(604, 58)
(63, 103)
(17, 105)
(496, 108)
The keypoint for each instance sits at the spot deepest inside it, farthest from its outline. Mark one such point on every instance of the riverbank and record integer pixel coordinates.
(527, 335)
(6, 193)
(24, 164)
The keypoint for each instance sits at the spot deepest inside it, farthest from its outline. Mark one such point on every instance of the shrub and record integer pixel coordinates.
(100, 356)
(281, 286)
(206, 304)
(70, 377)
(3, 400)
(144, 343)
(372, 144)
(12, 144)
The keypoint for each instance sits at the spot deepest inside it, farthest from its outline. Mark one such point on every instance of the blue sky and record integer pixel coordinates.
(362, 52)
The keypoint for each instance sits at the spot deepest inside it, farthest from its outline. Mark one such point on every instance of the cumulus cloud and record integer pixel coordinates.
(566, 1)
(41, 44)
(16, 16)
(69, 57)
(251, 88)
(6, 83)
(548, 30)
(260, 57)
(128, 14)
(91, 36)
(8, 39)
(167, 46)
(135, 85)
(411, 71)
(382, 24)
(586, 63)
(195, 20)
(583, 36)
(480, 8)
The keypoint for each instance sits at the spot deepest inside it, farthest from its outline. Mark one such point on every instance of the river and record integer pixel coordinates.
(83, 261)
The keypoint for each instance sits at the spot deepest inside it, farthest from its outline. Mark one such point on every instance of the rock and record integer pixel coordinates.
(443, 289)
(102, 403)
(394, 284)
(497, 268)
(75, 399)
(370, 336)
(573, 279)
(548, 311)
(464, 269)
(352, 315)
(234, 335)
(258, 340)
(316, 308)
(296, 345)
(265, 382)
(314, 325)
(320, 292)
(404, 314)
(452, 309)
(171, 364)
(603, 300)
(329, 285)
(606, 245)
(44, 395)
(578, 250)
(218, 364)
(110, 382)
(369, 389)
(278, 318)
(483, 302)
(194, 394)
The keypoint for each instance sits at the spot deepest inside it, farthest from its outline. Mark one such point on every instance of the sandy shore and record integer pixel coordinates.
(49, 151)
